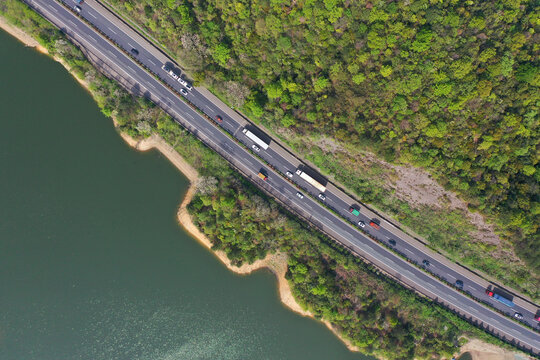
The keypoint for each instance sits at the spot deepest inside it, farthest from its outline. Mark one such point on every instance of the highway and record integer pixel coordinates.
(341, 226)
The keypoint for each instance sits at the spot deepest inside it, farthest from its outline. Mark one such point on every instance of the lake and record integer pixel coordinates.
(93, 264)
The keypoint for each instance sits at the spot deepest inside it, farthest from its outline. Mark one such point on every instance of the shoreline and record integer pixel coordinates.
(276, 263)
(29, 41)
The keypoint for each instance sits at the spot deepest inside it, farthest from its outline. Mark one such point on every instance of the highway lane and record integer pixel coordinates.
(346, 233)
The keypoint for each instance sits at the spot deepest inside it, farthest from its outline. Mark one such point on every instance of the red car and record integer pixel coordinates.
(489, 293)
(374, 225)
(537, 316)
(219, 119)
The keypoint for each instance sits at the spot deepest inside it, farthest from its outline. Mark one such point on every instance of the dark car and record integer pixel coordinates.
(135, 52)
(219, 119)
(425, 262)
(459, 284)
(392, 242)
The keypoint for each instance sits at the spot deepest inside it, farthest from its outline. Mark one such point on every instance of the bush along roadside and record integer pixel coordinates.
(377, 315)
(416, 83)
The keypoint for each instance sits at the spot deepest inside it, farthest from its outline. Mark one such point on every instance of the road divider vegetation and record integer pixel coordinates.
(363, 305)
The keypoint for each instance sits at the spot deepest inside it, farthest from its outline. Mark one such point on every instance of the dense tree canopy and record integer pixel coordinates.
(449, 85)
(377, 315)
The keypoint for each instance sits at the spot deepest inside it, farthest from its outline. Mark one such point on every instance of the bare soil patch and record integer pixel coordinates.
(479, 350)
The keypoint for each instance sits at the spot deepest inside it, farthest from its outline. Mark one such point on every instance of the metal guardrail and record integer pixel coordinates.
(301, 213)
(169, 55)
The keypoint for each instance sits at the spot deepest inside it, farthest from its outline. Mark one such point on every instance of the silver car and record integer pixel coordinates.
(300, 195)
(254, 147)
(183, 92)
(289, 174)
(173, 75)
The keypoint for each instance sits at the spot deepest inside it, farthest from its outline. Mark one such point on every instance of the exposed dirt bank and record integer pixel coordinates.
(21, 35)
(29, 41)
(276, 263)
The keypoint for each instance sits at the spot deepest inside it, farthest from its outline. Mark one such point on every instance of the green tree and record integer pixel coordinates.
(221, 54)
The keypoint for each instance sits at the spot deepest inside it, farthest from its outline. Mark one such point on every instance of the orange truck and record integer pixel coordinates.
(262, 175)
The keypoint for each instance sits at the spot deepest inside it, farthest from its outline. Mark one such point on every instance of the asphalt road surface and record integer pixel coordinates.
(343, 228)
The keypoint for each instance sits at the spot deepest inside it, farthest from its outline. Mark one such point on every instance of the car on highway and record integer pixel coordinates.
(300, 195)
(537, 316)
(182, 81)
(518, 316)
(78, 1)
(170, 71)
(322, 196)
(254, 147)
(414, 276)
(425, 262)
(375, 224)
(219, 119)
(183, 92)
(353, 210)
(459, 284)
(135, 51)
(289, 174)
(361, 224)
(392, 242)
(188, 86)
(77, 8)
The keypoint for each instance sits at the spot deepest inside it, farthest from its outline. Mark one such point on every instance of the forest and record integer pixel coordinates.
(450, 86)
(375, 313)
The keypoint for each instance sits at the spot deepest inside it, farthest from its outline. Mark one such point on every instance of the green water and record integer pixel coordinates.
(92, 262)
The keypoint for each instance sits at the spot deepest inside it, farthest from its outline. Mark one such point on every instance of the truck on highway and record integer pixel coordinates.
(262, 175)
(353, 210)
(310, 180)
(374, 223)
(256, 139)
(504, 299)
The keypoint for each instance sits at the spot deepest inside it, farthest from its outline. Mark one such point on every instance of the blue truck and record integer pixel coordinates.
(500, 298)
